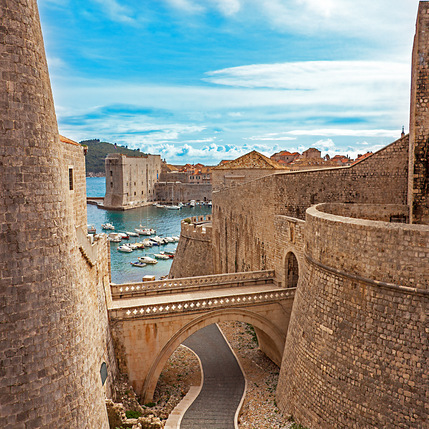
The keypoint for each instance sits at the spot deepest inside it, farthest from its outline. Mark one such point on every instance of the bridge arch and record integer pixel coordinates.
(261, 323)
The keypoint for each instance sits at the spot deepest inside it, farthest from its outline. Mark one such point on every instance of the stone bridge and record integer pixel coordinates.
(150, 320)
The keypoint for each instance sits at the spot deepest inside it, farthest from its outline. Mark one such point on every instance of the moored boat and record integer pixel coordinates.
(124, 248)
(138, 264)
(107, 226)
(161, 256)
(147, 260)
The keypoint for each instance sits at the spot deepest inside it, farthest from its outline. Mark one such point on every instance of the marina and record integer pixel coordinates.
(166, 223)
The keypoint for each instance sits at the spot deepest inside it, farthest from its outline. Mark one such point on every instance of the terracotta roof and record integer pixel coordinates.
(66, 140)
(252, 159)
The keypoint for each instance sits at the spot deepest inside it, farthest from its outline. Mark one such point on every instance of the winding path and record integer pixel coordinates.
(223, 385)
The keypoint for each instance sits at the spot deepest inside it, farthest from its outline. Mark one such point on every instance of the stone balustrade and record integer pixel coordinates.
(129, 290)
(194, 305)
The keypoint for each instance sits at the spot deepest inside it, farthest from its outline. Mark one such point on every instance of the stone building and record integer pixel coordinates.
(130, 181)
(248, 167)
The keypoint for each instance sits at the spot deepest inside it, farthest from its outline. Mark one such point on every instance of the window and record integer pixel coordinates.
(71, 184)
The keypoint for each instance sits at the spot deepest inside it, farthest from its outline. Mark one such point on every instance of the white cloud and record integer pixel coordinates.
(187, 6)
(227, 7)
(345, 132)
(271, 137)
(116, 12)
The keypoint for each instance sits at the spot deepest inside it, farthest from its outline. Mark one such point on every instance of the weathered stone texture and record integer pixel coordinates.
(50, 351)
(182, 192)
(418, 186)
(244, 230)
(130, 181)
(194, 255)
(356, 353)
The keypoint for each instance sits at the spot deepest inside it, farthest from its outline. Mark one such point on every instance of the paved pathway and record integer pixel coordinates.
(223, 386)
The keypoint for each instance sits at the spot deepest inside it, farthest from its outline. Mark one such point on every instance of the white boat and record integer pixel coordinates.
(114, 237)
(173, 207)
(131, 234)
(192, 203)
(169, 239)
(123, 235)
(147, 260)
(209, 203)
(147, 242)
(160, 206)
(124, 248)
(138, 264)
(175, 238)
(133, 246)
(161, 256)
(148, 231)
(107, 226)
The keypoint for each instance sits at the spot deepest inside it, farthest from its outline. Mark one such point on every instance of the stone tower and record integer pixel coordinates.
(49, 376)
(418, 180)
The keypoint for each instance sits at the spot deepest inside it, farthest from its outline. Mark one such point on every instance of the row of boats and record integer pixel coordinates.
(192, 203)
(145, 260)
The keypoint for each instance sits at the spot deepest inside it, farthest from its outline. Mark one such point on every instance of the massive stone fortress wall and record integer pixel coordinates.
(245, 233)
(130, 181)
(51, 344)
(74, 171)
(182, 192)
(418, 187)
(356, 352)
(194, 255)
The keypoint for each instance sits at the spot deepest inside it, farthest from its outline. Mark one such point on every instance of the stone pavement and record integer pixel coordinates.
(223, 385)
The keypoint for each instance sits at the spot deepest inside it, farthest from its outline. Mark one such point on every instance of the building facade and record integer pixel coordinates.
(130, 181)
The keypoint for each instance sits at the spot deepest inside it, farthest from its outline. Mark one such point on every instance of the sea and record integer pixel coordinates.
(165, 222)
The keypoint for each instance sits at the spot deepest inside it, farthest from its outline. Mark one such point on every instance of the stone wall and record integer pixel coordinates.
(130, 180)
(176, 192)
(245, 236)
(194, 255)
(356, 351)
(74, 160)
(51, 344)
(418, 196)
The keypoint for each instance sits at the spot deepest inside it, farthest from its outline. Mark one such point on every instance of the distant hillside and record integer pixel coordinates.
(97, 152)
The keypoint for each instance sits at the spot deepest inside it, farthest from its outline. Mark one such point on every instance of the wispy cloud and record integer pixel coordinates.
(116, 12)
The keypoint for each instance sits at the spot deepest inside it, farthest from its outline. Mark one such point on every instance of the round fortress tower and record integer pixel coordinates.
(49, 376)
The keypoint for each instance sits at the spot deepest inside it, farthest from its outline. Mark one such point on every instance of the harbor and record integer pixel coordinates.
(166, 223)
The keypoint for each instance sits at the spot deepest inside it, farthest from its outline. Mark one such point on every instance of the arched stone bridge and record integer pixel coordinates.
(150, 320)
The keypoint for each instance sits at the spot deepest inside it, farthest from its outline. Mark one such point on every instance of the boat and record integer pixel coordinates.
(133, 246)
(147, 260)
(147, 242)
(114, 237)
(175, 238)
(91, 229)
(192, 203)
(161, 256)
(107, 226)
(160, 206)
(209, 203)
(132, 234)
(173, 207)
(138, 264)
(170, 252)
(169, 239)
(147, 231)
(124, 236)
(148, 278)
(124, 248)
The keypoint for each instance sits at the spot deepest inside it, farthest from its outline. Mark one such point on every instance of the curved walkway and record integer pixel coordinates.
(223, 385)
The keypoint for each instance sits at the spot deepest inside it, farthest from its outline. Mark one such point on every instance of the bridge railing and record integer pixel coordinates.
(203, 304)
(129, 290)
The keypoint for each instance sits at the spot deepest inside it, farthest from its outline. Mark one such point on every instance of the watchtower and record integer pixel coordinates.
(49, 373)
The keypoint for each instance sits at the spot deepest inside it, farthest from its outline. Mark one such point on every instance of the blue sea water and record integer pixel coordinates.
(165, 222)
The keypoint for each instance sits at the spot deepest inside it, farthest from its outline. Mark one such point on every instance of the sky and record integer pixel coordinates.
(202, 81)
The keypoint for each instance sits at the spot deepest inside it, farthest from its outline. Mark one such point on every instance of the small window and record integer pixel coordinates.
(71, 178)
(111, 173)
